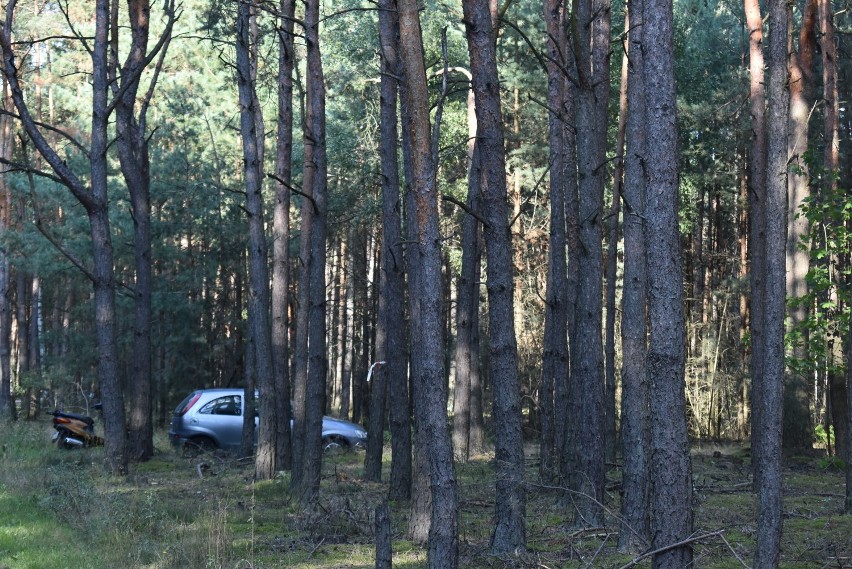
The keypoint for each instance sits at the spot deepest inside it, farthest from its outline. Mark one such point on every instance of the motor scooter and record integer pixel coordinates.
(74, 431)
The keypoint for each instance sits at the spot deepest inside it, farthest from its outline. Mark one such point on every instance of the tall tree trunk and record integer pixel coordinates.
(132, 144)
(420, 515)
(510, 529)
(635, 404)
(281, 237)
(670, 464)
(757, 222)
(554, 366)
(586, 412)
(798, 425)
(430, 404)
(467, 292)
(7, 401)
(847, 451)
(258, 255)
(315, 136)
(572, 245)
(300, 364)
(770, 403)
(390, 334)
(610, 433)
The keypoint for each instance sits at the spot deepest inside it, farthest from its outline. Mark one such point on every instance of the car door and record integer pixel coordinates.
(224, 417)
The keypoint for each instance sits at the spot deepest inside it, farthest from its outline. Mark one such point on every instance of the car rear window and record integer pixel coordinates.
(183, 407)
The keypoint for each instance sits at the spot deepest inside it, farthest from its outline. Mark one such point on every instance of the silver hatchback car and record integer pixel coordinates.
(211, 419)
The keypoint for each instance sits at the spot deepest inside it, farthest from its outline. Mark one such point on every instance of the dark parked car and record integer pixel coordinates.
(213, 418)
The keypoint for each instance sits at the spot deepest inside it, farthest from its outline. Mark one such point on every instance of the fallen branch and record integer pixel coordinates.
(687, 541)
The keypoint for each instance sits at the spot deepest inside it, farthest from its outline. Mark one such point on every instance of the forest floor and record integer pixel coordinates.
(59, 510)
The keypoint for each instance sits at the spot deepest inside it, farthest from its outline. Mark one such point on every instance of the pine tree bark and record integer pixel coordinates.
(132, 145)
(670, 463)
(554, 366)
(8, 410)
(770, 403)
(390, 336)
(634, 534)
(757, 231)
(586, 470)
(467, 295)
(315, 136)
(430, 403)
(798, 425)
(258, 254)
(300, 364)
(281, 237)
(510, 529)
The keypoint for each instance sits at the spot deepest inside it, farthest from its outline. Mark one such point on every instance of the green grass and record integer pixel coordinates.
(60, 510)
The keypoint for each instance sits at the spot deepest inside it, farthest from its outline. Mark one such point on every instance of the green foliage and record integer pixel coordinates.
(820, 336)
(822, 437)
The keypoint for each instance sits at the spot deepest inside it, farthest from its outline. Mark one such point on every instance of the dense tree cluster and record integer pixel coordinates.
(607, 228)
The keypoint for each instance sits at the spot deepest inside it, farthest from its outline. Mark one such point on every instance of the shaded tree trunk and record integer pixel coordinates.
(671, 481)
(510, 529)
(467, 299)
(586, 471)
(300, 364)
(258, 305)
(132, 145)
(554, 366)
(635, 534)
(8, 411)
(610, 422)
(281, 237)
(390, 336)
(770, 403)
(315, 136)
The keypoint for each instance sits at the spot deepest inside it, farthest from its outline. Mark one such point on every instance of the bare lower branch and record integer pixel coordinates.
(67, 136)
(295, 190)
(452, 200)
(693, 539)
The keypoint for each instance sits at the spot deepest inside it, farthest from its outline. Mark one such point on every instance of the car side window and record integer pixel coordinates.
(228, 405)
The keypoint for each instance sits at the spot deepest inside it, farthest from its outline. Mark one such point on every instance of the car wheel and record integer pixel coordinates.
(334, 445)
(198, 446)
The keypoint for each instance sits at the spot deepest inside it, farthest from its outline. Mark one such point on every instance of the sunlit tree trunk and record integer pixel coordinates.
(798, 425)
(430, 400)
(756, 207)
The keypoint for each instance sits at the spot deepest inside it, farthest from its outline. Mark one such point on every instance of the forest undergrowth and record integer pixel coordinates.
(58, 509)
